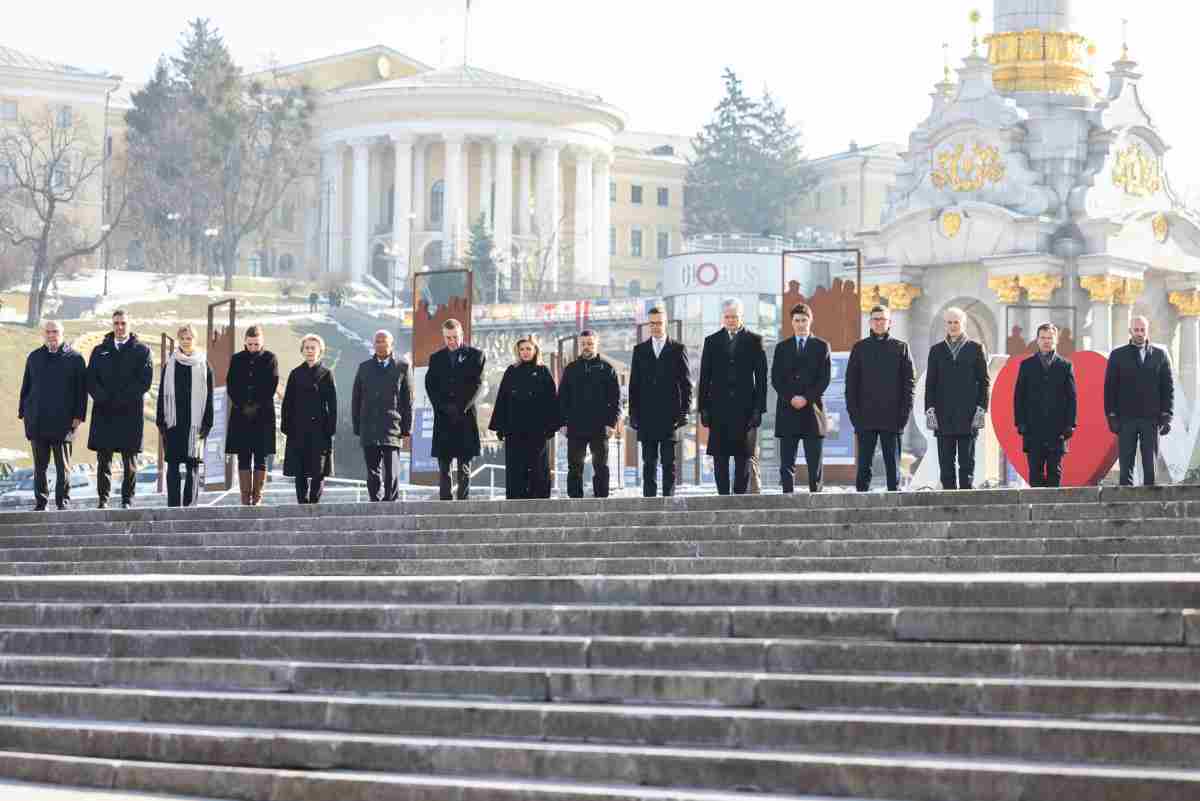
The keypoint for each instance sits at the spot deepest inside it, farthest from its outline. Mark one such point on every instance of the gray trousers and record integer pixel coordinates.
(1135, 431)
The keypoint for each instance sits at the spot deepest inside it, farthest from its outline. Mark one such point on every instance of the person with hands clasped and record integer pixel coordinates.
(1139, 399)
(381, 414)
(454, 383)
(589, 401)
(309, 418)
(660, 396)
(185, 415)
(956, 400)
(1045, 408)
(525, 418)
(879, 397)
(800, 373)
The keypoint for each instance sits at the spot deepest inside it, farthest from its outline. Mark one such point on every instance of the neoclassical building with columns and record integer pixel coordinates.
(411, 157)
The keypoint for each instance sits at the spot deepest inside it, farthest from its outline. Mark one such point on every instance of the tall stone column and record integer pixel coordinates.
(1187, 304)
(548, 200)
(332, 236)
(899, 299)
(359, 210)
(1123, 300)
(420, 190)
(583, 251)
(452, 184)
(601, 221)
(1100, 289)
(1008, 293)
(504, 196)
(524, 188)
(485, 181)
(401, 224)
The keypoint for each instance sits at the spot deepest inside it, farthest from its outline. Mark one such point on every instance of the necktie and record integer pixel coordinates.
(800, 344)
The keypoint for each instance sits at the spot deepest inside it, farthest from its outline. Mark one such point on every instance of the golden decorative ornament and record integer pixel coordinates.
(1129, 291)
(1037, 61)
(963, 173)
(900, 297)
(1101, 288)
(1136, 171)
(1040, 286)
(975, 16)
(869, 299)
(1161, 227)
(1006, 288)
(951, 222)
(1186, 303)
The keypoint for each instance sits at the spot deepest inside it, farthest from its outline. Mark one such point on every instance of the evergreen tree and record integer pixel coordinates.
(479, 259)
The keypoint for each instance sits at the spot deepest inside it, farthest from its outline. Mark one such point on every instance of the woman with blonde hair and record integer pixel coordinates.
(525, 417)
(185, 415)
(309, 421)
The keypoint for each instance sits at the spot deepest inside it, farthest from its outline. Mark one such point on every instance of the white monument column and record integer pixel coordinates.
(359, 209)
(420, 154)
(524, 188)
(601, 221)
(504, 194)
(485, 181)
(332, 237)
(1187, 306)
(402, 207)
(583, 217)
(549, 198)
(452, 184)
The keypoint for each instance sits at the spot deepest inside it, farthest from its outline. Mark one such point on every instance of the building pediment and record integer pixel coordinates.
(956, 233)
(1126, 175)
(371, 65)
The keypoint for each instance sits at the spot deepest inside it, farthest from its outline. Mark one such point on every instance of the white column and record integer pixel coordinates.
(583, 217)
(401, 225)
(1121, 318)
(359, 205)
(1102, 326)
(548, 197)
(601, 221)
(504, 196)
(453, 185)
(420, 192)
(1189, 355)
(485, 181)
(524, 188)
(332, 237)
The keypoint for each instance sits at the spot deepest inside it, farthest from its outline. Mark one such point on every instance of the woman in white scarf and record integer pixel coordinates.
(185, 414)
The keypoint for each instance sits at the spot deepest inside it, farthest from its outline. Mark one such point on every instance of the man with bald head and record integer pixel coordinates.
(1139, 399)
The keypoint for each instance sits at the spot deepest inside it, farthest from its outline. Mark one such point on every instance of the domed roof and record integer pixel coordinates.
(464, 76)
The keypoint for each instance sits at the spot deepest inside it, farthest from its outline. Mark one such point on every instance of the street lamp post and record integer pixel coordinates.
(104, 229)
(173, 218)
(210, 235)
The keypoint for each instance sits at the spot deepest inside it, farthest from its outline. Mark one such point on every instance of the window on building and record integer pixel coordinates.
(287, 263)
(64, 117)
(635, 243)
(612, 240)
(60, 179)
(845, 196)
(664, 196)
(664, 244)
(437, 198)
(8, 111)
(612, 191)
(6, 176)
(635, 195)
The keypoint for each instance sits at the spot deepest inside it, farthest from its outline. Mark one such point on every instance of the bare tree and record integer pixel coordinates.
(541, 271)
(46, 170)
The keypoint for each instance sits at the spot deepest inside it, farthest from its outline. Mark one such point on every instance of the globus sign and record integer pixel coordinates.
(720, 272)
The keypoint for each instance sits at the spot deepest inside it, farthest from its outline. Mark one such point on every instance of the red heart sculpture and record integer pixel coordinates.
(1093, 449)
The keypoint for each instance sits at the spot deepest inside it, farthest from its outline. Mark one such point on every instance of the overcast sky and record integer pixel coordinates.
(855, 69)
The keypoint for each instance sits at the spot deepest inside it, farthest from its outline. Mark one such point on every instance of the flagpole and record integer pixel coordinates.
(466, 34)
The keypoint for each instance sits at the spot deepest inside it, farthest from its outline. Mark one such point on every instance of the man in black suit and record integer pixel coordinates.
(589, 398)
(879, 397)
(1044, 407)
(800, 373)
(1139, 399)
(733, 396)
(454, 383)
(660, 396)
(956, 400)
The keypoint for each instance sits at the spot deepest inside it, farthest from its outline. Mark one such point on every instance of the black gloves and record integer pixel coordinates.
(1114, 425)
(681, 421)
(204, 433)
(1070, 432)
(755, 420)
(633, 423)
(1021, 430)
(500, 436)
(705, 420)
(1164, 425)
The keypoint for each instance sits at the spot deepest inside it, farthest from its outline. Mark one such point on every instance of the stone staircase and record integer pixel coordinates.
(989, 646)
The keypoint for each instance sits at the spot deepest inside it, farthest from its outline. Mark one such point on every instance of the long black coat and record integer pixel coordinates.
(118, 380)
(452, 383)
(527, 401)
(53, 393)
(309, 420)
(955, 388)
(175, 440)
(660, 391)
(1044, 404)
(880, 384)
(1133, 390)
(805, 373)
(381, 402)
(251, 384)
(733, 385)
(589, 397)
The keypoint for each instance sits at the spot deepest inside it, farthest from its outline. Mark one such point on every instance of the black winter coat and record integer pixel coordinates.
(733, 385)
(453, 383)
(589, 397)
(956, 387)
(806, 374)
(1044, 404)
(1133, 390)
(175, 440)
(660, 391)
(308, 418)
(527, 401)
(381, 402)
(53, 393)
(880, 384)
(118, 380)
(251, 384)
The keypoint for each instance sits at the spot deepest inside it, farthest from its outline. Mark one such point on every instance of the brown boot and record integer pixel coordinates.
(244, 486)
(260, 478)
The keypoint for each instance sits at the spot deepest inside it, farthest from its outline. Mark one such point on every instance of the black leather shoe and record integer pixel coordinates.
(102, 503)
(126, 504)
(41, 507)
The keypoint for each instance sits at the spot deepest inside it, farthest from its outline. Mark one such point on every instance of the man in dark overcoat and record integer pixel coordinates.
(1045, 407)
(53, 405)
(879, 397)
(660, 397)
(1139, 399)
(800, 373)
(589, 399)
(251, 384)
(732, 396)
(454, 384)
(956, 399)
(120, 372)
(381, 411)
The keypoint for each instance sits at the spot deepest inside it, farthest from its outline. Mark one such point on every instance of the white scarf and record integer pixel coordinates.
(199, 394)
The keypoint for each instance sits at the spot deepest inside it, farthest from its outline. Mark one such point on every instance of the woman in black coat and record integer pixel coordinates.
(525, 417)
(253, 379)
(185, 415)
(309, 421)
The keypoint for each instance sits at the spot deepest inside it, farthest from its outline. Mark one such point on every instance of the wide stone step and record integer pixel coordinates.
(1129, 744)
(907, 776)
